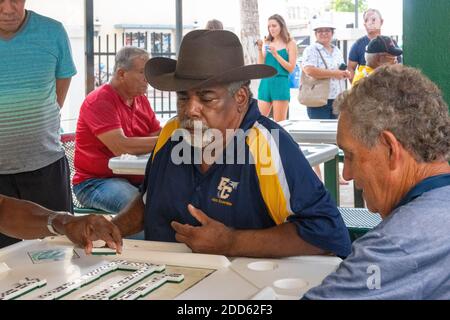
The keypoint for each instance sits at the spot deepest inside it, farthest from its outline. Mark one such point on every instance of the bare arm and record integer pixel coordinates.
(352, 67)
(215, 238)
(116, 141)
(320, 73)
(131, 219)
(261, 55)
(23, 219)
(288, 65)
(27, 220)
(280, 241)
(62, 87)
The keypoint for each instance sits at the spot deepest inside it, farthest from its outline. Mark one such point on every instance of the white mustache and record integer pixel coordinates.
(190, 124)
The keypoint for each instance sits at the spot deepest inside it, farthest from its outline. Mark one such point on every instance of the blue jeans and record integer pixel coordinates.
(324, 112)
(111, 194)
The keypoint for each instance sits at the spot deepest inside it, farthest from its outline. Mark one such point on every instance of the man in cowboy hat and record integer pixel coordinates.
(258, 196)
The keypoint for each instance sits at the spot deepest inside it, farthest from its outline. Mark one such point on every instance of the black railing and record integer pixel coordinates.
(106, 47)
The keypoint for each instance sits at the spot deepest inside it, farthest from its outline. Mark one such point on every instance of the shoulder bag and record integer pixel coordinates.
(314, 92)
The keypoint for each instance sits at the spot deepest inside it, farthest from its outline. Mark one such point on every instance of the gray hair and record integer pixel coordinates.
(235, 86)
(373, 10)
(125, 57)
(370, 57)
(214, 24)
(403, 101)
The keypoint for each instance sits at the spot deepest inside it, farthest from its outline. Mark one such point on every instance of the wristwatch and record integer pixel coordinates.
(50, 219)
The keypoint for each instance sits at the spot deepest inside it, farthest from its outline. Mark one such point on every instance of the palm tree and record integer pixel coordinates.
(249, 29)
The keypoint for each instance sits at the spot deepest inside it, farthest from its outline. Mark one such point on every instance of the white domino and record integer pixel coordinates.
(141, 271)
(101, 295)
(128, 265)
(151, 285)
(103, 251)
(123, 284)
(68, 287)
(24, 286)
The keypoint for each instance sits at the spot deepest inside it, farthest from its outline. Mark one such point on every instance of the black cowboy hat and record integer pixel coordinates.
(206, 58)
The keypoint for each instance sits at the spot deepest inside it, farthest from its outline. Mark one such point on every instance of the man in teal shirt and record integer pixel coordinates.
(35, 72)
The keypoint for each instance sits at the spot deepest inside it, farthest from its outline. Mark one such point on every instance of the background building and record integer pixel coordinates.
(150, 24)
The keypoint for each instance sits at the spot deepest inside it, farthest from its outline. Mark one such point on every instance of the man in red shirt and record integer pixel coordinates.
(114, 119)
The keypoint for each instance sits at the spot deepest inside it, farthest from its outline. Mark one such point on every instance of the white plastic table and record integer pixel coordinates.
(239, 278)
(321, 131)
(311, 131)
(314, 153)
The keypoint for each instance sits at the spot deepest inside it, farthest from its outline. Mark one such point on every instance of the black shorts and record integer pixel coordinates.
(48, 186)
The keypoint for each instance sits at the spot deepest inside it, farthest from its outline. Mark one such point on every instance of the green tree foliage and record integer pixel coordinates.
(348, 5)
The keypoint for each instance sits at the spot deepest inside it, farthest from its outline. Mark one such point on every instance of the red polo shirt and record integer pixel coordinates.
(104, 110)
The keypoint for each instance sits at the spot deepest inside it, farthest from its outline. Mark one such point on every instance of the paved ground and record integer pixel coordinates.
(346, 191)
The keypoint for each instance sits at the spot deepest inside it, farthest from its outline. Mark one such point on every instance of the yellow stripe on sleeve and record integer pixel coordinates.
(165, 134)
(269, 174)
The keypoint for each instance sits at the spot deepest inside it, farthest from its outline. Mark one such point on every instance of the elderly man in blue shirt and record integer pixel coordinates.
(394, 128)
(223, 178)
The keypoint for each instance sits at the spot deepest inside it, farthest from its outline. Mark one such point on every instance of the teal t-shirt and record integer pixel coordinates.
(31, 61)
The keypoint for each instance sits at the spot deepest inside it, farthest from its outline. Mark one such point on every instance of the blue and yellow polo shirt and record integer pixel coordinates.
(274, 184)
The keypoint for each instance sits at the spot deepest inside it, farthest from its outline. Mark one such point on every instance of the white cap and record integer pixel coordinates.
(320, 23)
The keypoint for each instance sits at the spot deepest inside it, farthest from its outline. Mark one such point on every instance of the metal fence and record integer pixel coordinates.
(160, 44)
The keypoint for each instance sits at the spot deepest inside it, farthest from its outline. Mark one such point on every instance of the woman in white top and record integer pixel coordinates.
(313, 65)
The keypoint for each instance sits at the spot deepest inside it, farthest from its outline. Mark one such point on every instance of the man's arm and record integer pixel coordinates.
(276, 242)
(352, 67)
(116, 141)
(27, 220)
(213, 237)
(23, 219)
(62, 87)
(131, 219)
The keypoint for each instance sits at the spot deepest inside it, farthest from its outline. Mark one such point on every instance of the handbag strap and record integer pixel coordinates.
(326, 66)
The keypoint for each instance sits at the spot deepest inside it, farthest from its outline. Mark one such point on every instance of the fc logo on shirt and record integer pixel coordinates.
(225, 188)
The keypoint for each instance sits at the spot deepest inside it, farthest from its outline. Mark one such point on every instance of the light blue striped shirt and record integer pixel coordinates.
(30, 62)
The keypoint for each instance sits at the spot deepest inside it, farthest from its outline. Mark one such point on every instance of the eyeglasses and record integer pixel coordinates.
(324, 30)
